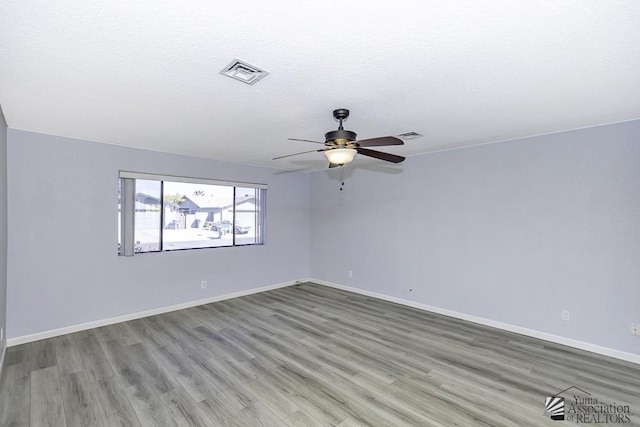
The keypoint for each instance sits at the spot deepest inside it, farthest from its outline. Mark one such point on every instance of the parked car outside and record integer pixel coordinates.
(225, 227)
(242, 229)
(222, 226)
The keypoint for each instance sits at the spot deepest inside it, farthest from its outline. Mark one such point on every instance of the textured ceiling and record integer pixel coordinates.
(146, 73)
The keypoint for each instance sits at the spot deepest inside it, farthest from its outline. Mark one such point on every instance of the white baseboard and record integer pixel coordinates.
(606, 351)
(126, 317)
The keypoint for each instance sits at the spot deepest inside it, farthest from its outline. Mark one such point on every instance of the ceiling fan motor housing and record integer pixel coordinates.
(340, 137)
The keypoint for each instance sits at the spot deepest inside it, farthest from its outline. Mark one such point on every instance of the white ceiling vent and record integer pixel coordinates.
(409, 135)
(243, 71)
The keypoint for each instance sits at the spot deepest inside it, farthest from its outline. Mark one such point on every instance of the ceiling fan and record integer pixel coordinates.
(341, 145)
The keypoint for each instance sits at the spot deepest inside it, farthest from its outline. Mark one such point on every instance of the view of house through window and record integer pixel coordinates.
(173, 215)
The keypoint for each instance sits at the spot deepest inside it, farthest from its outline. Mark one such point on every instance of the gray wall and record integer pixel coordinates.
(63, 267)
(514, 232)
(3, 229)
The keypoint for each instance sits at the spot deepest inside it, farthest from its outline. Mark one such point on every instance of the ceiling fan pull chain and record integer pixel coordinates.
(341, 177)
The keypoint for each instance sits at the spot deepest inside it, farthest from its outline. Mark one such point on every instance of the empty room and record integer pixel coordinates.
(326, 213)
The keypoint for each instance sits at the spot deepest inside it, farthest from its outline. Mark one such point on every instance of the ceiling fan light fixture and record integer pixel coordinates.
(340, 156)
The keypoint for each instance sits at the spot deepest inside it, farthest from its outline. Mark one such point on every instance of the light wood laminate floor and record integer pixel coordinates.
(301, 356)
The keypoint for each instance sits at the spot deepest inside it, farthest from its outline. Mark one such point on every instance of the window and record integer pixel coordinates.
(157, 213)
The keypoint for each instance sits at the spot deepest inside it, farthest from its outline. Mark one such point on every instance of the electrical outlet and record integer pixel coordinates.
(635, 329)
(350, 273)
(203, 284)
(566, 315)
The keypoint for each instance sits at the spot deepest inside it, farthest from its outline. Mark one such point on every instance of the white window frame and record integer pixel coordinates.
(127, 208)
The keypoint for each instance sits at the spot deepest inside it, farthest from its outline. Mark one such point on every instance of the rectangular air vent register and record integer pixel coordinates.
(244, 72)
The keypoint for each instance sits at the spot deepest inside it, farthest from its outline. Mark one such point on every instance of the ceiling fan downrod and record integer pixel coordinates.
(341, 114)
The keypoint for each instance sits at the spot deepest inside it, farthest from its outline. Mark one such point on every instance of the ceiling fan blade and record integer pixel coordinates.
(296, 154)
(379, 142)
(305, 140)
(380, 155)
